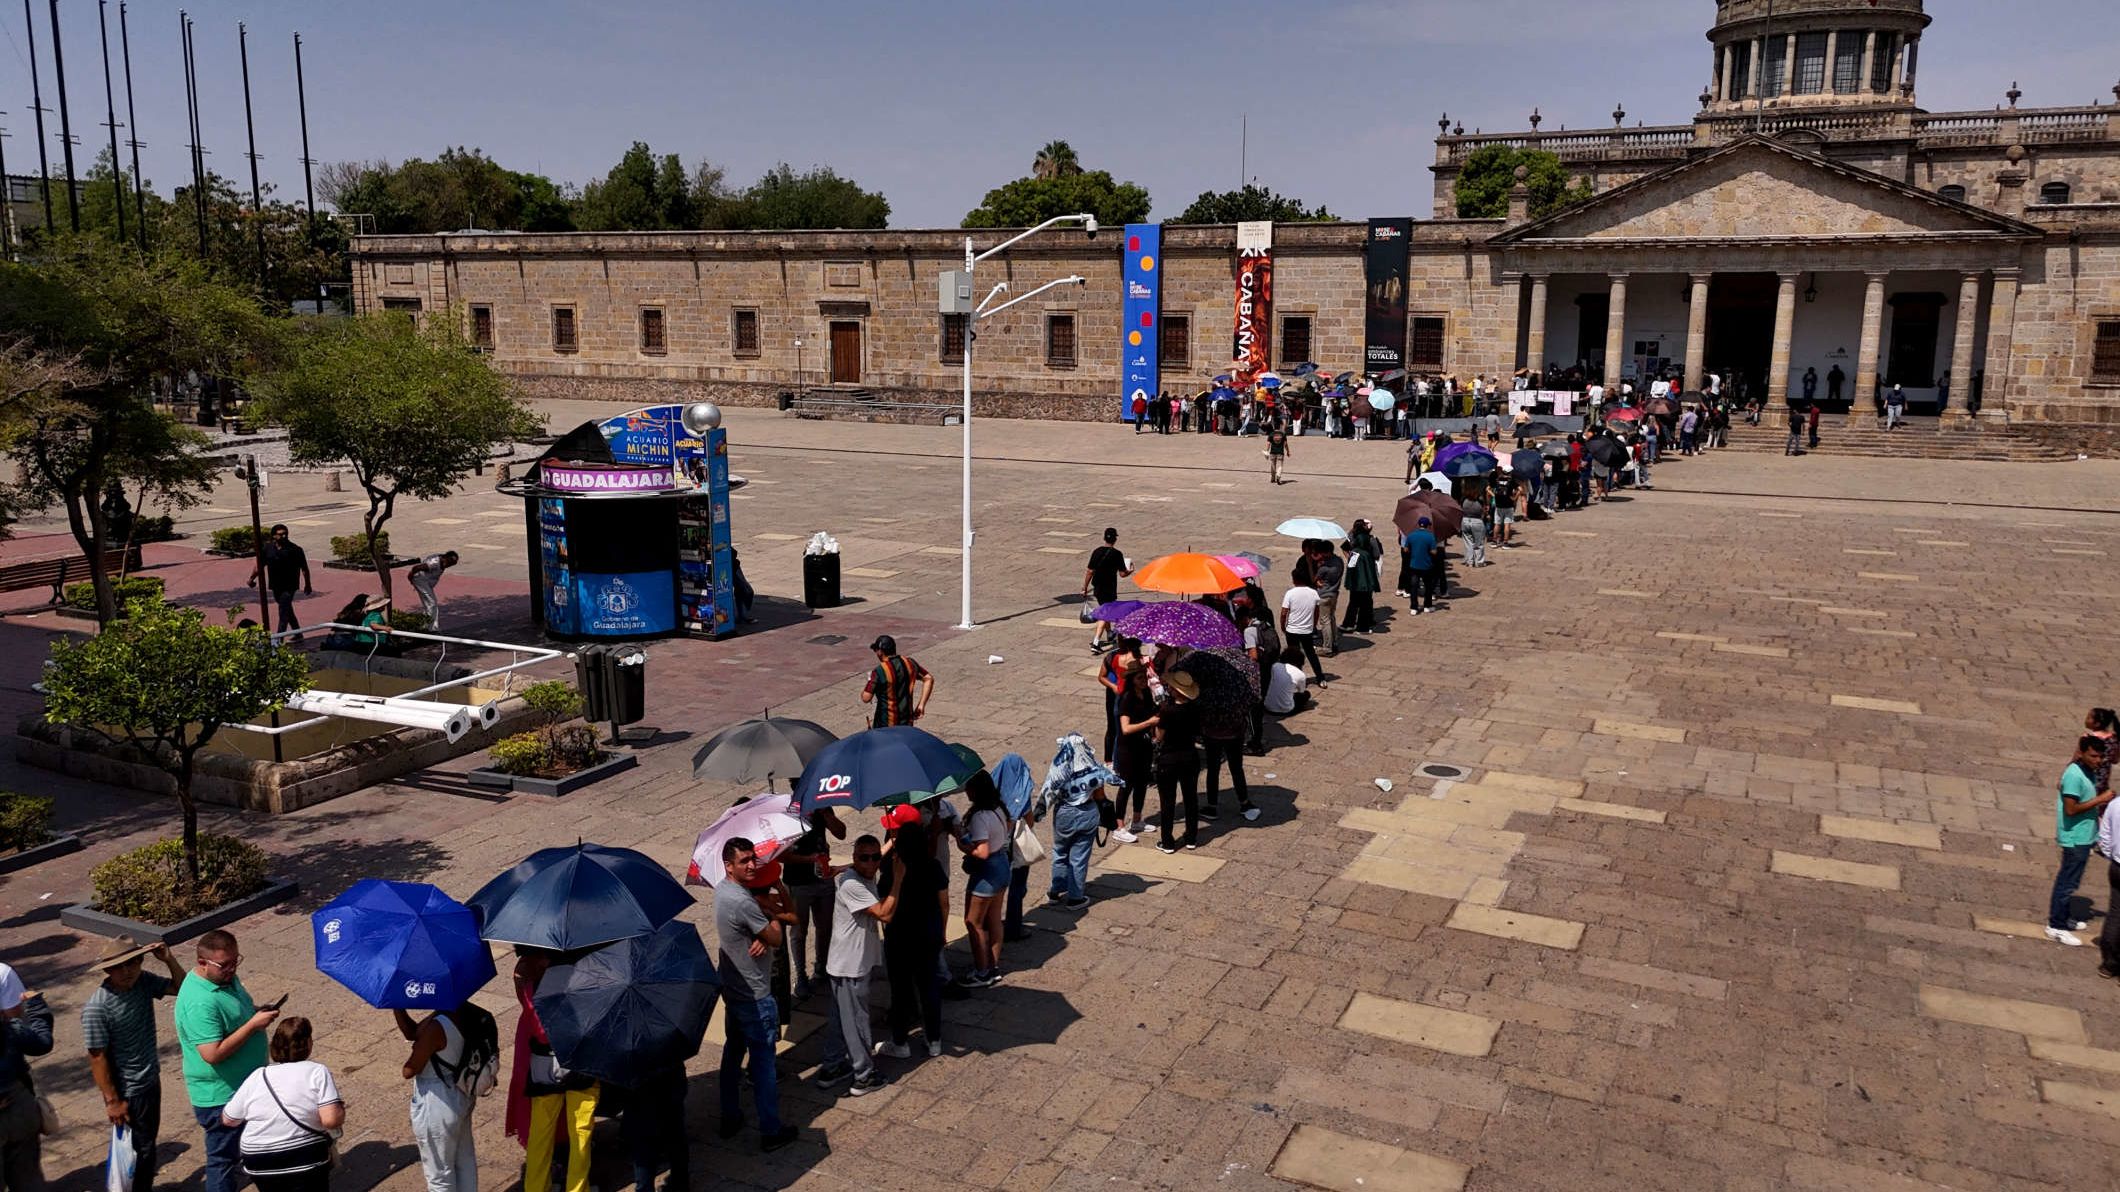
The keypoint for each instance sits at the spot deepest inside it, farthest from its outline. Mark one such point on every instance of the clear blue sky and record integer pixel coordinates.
(934, 101)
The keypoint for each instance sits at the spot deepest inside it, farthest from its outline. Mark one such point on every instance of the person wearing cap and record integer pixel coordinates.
(1177, 759)
(891, 683)
(118, 1029)
(25, 1031)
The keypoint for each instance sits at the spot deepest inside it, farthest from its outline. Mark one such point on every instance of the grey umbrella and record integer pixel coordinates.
(761, 749)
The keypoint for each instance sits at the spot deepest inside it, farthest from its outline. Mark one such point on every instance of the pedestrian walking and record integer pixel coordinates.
(1795, 444)
(1100, 582)
(221, 1036)
(1895, 407)
(806, 868)
(745, 935)
(1810, 421)
(25, 1032)
(891, 683)
(1177, 761)
(118, 1029)
(857, 948)
(284, 569)
(1361, 579)
(288, 1114)
(912, 946)
(423, 577)
(2077, 809)
(455, 1058)
(1276, 451)
(544, 1099)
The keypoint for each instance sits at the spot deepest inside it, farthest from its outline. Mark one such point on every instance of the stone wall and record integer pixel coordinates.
(2067, 290)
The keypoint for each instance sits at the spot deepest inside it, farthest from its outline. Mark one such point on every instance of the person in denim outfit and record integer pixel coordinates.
(1072, 786)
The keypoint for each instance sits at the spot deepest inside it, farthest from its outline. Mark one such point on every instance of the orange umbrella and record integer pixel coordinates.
(1187, 574)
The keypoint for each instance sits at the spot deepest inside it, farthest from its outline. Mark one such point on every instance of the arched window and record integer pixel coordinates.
(2054, 192)
(1954, 193)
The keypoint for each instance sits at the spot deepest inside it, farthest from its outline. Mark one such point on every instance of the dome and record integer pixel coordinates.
(1814, 53)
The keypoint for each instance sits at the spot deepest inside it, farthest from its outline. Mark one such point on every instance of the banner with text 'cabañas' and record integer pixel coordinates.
(1254, 339)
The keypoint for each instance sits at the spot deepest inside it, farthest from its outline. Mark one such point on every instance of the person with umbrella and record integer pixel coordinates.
(806, 867)
(1177, 760)
(891, 683)
(1362, 550)
(1299, 614)
(542, 1096)
(1330, 574)
(1421, 551)
(454, 1051)
(857, 949)
(745, 935)
(1134, 756)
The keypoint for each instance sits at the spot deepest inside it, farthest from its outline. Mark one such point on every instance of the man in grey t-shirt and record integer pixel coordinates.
(1327, 571)
(747, 927)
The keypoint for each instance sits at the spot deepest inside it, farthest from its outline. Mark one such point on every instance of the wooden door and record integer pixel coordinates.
(846, 353)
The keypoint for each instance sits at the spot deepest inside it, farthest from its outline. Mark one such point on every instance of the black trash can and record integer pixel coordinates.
(628, 685)
(820, 580)
(785, 400)
(592, 680)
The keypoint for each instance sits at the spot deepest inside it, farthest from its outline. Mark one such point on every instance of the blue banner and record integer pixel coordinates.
(640, 604)
(1141, 317)
(555, 572)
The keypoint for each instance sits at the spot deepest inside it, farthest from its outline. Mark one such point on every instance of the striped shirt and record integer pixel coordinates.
(122, 1025)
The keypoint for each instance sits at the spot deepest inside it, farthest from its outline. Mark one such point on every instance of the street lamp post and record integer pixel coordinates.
(971, 318)
(798, 366)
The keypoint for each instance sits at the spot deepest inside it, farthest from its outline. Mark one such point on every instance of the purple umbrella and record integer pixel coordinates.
(1118, 610)
(1455, 450)
(1181, 623)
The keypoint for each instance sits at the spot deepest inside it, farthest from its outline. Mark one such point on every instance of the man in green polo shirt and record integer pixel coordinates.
(2076, 811)
(221, 1035)
(118, 1028)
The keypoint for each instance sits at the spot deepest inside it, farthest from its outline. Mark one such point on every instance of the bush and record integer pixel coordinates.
(148, 883)
(554, 699)
(353, 548)
(406, 618)
(25, 821)
(234, 539)
(523, 754)
(160, 528)
(574, 747)
(125, 588)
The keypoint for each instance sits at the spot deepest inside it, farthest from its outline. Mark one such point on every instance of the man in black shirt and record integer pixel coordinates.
(1100, 582)
(284, 565)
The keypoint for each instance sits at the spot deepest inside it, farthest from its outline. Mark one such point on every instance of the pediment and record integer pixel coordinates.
(1756, 189)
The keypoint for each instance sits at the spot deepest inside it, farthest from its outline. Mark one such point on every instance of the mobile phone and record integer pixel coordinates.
(274, 1005)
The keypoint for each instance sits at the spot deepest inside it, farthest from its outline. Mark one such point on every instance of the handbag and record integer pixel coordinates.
(1029, 850)
(322, 1151)
(1088, 615)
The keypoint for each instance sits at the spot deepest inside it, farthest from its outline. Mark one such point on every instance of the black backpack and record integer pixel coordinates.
(478, 1071)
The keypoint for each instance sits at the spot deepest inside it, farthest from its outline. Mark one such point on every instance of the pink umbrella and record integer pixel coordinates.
(1245, 568)
(764, 820)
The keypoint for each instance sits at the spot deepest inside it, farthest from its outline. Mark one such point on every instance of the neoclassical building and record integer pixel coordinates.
(1812, 216)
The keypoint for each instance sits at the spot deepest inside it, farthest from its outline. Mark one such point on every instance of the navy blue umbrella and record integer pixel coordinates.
(629, 1008)
(1469, 463)
(881, 765)
(579, 896)
(1526, 462)
(401, 945)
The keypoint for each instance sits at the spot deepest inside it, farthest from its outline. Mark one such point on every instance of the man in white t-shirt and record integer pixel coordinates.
(856, 951)
(1286, 687)
(1299, 617)
(1660, 388)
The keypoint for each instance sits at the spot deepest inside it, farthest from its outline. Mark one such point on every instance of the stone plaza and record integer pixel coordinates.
(1731, 877)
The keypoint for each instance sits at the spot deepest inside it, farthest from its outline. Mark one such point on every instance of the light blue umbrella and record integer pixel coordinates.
(1382, 399)
(1310, 527)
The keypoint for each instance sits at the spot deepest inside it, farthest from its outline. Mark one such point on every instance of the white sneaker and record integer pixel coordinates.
(2062, 937)
(2080, 925)
(934, 1048)
(898, 1051)
(1123, 836)
(1142, 829)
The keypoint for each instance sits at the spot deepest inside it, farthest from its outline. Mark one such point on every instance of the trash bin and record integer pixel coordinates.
(592, 678)
(820, 580)
(627, 684)
(786, 400)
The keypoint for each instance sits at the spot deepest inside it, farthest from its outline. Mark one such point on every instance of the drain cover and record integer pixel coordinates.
(828, 639)
(1441, 770)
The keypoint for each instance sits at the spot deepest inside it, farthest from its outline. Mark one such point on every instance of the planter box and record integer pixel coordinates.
(618, 763)
(396, 561)
(84, 917)
(57, 846)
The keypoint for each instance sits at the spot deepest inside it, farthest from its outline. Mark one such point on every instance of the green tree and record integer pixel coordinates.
(167, 681)
(125, 320)
(817, 198)
(463, 188)
(628, 198)
(1029, 201)
(1251, 203)
(409, 405)
(1489, 174)
(1056, 159)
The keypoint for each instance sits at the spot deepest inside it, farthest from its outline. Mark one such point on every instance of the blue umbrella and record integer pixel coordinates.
(579, 896)
(1382, 399)
(881, 765)
(1269, 381)
(1304, 369)
(1223, 378)
(627, 1009)
(1224, 394)
(1471, 463)
(1013, 776)
(401, 945)
(1116, 609)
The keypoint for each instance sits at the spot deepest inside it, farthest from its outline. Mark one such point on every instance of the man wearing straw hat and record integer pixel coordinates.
(118, 1028)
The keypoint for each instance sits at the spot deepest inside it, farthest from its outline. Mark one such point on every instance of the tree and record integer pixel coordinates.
(818, 198)
(1029, 201)
(123, 320)
(1251, 203)
(167, 681)
(1488, 175)
(463, 188)
(409, 405)
(626, 200)
(1056, 159)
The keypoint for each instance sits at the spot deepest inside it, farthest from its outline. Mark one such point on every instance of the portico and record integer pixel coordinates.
(1707, 267)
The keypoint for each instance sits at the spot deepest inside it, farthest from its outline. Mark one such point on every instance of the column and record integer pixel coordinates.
(1757, 82)
(2002, 327)
(1863, 385)
(1784, 339)
(1832, 62)
(1616, 332)
(1722, 74)
(1913, 62)
(1788, 66)
(1697, 333)
(1962, 346)
(1869, 61)
(1535, 349)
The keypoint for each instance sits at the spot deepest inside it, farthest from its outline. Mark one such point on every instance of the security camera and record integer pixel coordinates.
(1090, 225)
(1081, 281)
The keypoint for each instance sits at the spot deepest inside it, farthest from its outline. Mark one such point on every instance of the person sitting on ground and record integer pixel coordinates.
(1288, 691)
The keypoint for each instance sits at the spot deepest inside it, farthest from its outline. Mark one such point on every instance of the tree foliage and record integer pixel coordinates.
(1251, 203)
(462, 188)
(1056, 159)
(1059, 185)
(1489, 173)
(409, 405)
(816, 198)
(644, 193)
(167, 681)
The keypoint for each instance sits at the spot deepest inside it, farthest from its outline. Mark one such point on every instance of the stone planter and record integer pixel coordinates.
(617, 763)
(396, 561)
(84, 917)
(57, 846)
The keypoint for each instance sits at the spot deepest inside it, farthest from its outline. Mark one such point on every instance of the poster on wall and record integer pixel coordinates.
(1141, 316)
(1384, 268)
(1254, 339)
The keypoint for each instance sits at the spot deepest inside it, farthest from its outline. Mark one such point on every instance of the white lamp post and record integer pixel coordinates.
(798, 366)
(971, 317)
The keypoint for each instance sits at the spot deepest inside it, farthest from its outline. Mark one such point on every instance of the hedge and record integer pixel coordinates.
(25, 821)
(353, 548)
(149, 884)
(126, 589)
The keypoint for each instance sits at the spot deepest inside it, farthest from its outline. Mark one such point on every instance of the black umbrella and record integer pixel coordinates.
(1396, 374)
(1536, 429)
(761, 749)
(1608, 451)
(578, 896)
(629, 1008)
(1229, 686)
(1342, 378)
(1557, 449)
(1527, 462)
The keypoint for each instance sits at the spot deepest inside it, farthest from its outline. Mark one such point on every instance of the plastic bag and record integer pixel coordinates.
(118, 1168)
(821, 543)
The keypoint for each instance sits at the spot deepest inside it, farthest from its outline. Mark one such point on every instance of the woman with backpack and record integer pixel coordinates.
(455, 1057)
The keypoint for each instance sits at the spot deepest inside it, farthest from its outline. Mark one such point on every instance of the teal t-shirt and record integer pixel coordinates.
(2076, 829)
(209, 1013)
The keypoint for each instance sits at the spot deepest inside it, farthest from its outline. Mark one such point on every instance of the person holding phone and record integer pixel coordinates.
(221, 1037)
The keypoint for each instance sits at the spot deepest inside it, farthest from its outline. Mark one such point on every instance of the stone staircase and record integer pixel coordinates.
(1920, 438)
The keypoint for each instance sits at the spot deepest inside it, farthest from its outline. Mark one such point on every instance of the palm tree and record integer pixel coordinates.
(1056, 159)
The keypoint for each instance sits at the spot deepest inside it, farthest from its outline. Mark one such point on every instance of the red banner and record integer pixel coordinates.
(1254, 339)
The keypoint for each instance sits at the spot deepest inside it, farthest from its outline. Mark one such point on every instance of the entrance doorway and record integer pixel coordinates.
(1911, 360)
(1741, 329)
(1592, 312)
(846, 353)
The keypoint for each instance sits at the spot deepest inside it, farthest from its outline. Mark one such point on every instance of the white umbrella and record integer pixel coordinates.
(1440, 481)
(1310, 527)
(761, 819)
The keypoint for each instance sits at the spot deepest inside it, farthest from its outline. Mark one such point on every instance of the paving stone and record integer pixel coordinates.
(1629, 593)
(1882, 831)
(1613, 810)
(1144, 861)
(868, 572)
(1431, 1027)
(1755, 651)
(1873, 704)
(1889, 577)
(1517, 925)
(2003, 1014)
(2093, 1058)
(1818, 1173)
(1642, 732)
(2080, 1096)
(1327, 1159)
(1826, 869)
